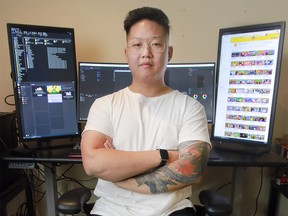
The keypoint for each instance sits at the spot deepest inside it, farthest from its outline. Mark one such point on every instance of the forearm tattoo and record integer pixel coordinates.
(185, 171)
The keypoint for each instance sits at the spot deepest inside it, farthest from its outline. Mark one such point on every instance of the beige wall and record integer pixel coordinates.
(100, 36)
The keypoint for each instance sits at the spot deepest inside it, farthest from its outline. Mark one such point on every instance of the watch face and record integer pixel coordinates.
(164, 156)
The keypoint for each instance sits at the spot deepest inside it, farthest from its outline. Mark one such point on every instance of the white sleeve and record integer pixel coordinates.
(99, 116)
(195, 126)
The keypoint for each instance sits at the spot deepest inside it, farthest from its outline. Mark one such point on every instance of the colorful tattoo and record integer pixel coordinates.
(185, 171)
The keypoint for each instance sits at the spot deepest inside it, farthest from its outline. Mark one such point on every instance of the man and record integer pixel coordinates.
(147, 143)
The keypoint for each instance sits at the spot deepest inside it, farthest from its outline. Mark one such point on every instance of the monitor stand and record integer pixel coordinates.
(239, 148)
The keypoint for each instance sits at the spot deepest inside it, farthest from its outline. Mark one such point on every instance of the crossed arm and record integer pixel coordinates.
(132, 170)
(184, 171)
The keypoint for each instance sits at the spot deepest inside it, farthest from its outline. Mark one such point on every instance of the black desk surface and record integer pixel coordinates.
(220, 157)
(217, 157)
(51, 155)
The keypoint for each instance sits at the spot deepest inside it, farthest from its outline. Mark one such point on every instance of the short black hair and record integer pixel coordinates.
(153, 14)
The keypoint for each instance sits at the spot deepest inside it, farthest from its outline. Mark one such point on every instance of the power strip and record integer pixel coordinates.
(21, 165)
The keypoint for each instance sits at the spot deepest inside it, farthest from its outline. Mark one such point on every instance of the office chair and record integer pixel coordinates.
(214, 203)
(75, 201)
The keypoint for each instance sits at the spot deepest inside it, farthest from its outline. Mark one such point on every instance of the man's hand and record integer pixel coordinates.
(108, 145)
(173, 156)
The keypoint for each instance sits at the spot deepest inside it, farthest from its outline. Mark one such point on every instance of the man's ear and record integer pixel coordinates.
(170, 53)
(126, 54)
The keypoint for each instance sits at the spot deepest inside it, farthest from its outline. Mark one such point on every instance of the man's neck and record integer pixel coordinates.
(150, 90)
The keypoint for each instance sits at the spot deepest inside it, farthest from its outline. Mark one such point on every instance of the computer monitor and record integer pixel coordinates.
(196, 80)
(248, 71)
(43, 63)
(97, 79)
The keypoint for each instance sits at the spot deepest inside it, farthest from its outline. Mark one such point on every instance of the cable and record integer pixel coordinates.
(31, 189)
(22, 210)
(63, 177)
(260, 188)
(224, 185)
(63, 174)
(2, 141)
(70, 179)
(39, 192)
(5, 100)
(39, 182)
(42, 196)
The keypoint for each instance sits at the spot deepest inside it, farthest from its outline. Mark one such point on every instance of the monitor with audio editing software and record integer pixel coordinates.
(99, 79)
(196, 80)
(43, 63)
(248, 71)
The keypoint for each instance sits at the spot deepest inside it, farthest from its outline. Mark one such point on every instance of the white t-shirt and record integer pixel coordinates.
(137, 123)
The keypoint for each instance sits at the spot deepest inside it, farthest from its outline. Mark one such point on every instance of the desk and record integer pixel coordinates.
(49, 158)
(238, 161)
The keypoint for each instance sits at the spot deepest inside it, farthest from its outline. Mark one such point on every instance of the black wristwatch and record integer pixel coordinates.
(164, 157)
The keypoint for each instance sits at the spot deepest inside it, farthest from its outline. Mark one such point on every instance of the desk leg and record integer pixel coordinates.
(51, 189)
(273, 200)
(237, 189)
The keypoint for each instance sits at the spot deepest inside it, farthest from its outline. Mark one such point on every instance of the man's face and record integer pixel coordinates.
(147, 60)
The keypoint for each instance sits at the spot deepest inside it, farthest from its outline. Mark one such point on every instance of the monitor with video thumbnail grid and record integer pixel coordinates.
(248, 72)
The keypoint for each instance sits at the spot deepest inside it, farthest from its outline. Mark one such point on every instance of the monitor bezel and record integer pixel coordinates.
(31, 27)
(235, 144)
